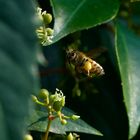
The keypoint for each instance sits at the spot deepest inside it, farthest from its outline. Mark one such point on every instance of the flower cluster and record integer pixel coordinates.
(54, 104)
(44, 33)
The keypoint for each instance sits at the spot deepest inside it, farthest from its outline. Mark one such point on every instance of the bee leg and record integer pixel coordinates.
(88, 74)
(77, 69)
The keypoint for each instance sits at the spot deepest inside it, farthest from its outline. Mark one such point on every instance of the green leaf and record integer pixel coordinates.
(17, 66)
(128, 55)
(73, 15)
(38, 122)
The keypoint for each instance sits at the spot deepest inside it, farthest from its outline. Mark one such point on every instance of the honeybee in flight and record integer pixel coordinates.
(84, 64)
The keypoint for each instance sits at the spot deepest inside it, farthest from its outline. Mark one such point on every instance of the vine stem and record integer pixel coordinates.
(47, 130)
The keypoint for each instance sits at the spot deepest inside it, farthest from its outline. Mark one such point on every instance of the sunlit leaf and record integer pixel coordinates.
(128, 55)
(73, 15)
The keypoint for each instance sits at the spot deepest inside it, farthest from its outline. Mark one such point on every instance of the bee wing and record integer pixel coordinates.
(96, 52)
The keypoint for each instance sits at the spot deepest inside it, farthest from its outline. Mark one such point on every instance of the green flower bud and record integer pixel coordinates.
(49, 31)
(57, 106)
(64, 122)
(39, 11)
(47, 18)
(40, 30)
(75, 117)
(34, 98)
(49, 107)
(41, 33)
(28, 137)
(70, 137)
(52, 98)
(44, 93)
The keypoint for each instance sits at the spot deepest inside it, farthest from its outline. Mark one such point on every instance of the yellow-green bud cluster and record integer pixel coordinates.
(54, 103)
(44, 33)
(57, 100)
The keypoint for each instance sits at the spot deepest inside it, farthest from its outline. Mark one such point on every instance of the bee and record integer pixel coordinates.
(84, 64)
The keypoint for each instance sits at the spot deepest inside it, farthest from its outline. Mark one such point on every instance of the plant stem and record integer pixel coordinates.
(47, 130)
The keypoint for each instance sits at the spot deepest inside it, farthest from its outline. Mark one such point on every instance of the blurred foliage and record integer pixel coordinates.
(18, 66)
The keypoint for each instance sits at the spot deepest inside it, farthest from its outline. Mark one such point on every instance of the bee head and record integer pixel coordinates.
(71, 54)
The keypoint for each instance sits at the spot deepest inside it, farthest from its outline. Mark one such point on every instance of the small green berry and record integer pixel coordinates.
(34, 98)
(47, 18)
(64, 122)
(52, 98)
(75, 117)
(57, 106)
(28, 137)
(49, 31)
(70, 137)
(44, 93)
